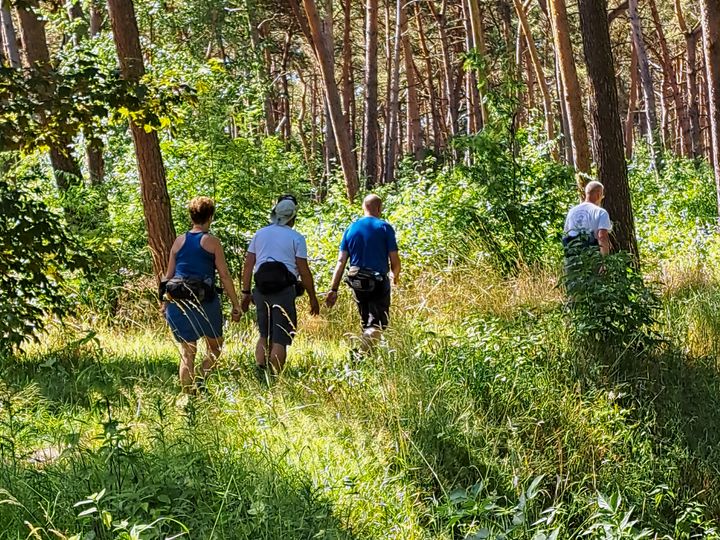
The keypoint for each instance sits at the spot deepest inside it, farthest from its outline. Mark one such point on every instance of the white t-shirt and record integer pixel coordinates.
(588, 218)
(278, 243)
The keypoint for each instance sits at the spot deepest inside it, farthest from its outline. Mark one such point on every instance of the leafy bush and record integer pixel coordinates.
(35, 253)
(610, 306)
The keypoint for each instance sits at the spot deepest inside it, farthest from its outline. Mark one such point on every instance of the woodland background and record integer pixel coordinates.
(496, 407)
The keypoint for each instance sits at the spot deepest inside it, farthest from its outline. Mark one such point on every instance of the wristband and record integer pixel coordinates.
(245, 292)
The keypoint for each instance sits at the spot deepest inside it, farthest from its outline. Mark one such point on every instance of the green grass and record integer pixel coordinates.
(478, 417)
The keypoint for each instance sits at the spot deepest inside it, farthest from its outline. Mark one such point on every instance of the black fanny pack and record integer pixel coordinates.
(363, 279)
(580, 241)
(273, 276)
(189, 288)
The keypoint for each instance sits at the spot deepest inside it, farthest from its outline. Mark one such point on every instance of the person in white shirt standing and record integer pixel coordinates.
(277, 255)
(588, 224)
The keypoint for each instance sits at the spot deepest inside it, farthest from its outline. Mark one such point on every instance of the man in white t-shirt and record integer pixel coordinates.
(588, 222)
(277, 255)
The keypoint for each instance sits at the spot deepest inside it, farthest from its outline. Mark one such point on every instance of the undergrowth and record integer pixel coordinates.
(481, 416)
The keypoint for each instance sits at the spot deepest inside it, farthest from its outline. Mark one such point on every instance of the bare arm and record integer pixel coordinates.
(603, 239)
(395, 266)
(172, 260)
(308, 283)
(337, 276)
(224, 273)
(248, 266)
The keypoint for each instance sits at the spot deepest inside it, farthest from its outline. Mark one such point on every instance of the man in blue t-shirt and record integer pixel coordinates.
(369, 243)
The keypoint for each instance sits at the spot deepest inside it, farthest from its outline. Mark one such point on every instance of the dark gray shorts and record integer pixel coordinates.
(276, 315)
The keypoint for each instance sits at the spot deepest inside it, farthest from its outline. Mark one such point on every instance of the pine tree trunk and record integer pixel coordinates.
(571, 93)
(632, 104)
(646, 83)
(670, 77)
(340, 127)
(414, 132)
(612, 169)
(391, 135)
(96, 17)
(153, 187)
(710, 20)
(65, 166)
(347, 70)
(449, 80)
(9, 38)
(429, 82)
(370, 138)
(540, 75)
(478, 41)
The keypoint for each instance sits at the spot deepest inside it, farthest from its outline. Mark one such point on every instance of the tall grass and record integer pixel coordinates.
(477, 417)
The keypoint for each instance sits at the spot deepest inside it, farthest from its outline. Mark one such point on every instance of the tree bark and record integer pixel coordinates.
(540, 75)
(391, 133)
(672, 88)
(632, 104)
(370, 138)
(65, 166)
(347, 70)
(9, 38)
(478, 40)
(612, 169)
(571, 93)
(710, 20)
(153, 187)
(414, 132)
(340, 127)
(429, 82)
(646, 83)
(449, 80)
(96, 17)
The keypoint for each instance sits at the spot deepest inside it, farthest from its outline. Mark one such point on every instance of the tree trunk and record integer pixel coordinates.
(670, 76)
(347, 70)
(691, 82)
(153, 188)
(478, 40)
(472, 98)
(65, 166)
(391, 133)
(710, 20)
(540, 75)
(370, 138)
(612, 169)
(96, 17)
(571, 93)
(340, 127)
(429, 82)
(9, 38)
(632, 104)
(646, 83)
(452, 106)
(414, 132)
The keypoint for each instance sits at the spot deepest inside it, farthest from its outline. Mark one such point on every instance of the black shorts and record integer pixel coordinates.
(276, 315)
(374, 307)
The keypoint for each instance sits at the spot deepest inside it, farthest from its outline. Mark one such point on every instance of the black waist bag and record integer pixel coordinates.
(273, 276)
(363, 279)
(190, 288)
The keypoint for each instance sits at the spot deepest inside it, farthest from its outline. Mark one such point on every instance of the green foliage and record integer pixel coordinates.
(36, 252)
(610, 307)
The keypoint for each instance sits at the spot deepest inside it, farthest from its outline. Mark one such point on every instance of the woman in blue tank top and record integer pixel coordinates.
(197, 254)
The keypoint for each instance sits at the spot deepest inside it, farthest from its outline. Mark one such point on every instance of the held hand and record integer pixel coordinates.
(314, 306)
(245, 303)
(236, 312)
(331, 299)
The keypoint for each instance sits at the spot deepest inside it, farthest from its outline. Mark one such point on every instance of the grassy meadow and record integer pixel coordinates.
(480, 416)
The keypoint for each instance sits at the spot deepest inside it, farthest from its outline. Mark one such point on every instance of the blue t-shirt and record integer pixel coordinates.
(369, 242)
